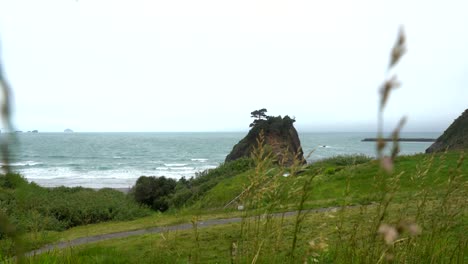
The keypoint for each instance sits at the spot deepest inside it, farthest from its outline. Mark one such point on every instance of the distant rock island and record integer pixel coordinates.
(455, 137)
(279, 134)
(401, 139)
(68, 130)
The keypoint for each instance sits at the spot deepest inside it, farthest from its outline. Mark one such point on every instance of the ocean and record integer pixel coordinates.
(116, 160)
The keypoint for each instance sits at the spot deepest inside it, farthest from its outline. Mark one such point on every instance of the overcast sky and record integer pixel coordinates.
(98, 65)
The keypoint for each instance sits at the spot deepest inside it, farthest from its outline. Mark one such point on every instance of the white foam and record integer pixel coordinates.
(199, 160)
(118, 178)
(181, 168)
(23, 164)
(121, 177)
(175, 164)
(208, 167)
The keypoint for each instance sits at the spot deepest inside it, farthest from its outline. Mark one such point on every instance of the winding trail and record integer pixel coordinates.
(154, 230)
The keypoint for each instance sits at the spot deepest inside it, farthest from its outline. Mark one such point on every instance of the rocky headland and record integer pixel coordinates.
(455, 136)
(280, 137)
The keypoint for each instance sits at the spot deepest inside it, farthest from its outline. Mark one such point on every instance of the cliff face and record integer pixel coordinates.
(455, 137)
(280, 137)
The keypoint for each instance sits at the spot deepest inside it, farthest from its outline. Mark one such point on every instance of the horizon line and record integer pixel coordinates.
(233, 131)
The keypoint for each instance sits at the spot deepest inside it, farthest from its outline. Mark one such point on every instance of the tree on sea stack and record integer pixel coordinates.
(258, 115)
(279, 135)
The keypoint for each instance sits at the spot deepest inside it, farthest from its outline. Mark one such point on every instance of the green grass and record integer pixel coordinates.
(217, 242)
(36, 240)
(169, 247)
(335, 174)
(418, 174)
(189, 192)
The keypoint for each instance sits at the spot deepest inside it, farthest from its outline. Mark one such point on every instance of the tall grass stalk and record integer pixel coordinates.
(196, 237)
(6, 105)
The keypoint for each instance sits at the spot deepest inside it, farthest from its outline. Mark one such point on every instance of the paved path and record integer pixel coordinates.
(200, 224)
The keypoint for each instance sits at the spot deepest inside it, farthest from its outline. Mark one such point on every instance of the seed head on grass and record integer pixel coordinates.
(387, 164)
(392, 233)
(386, 88)
(389, 233)
(319, 244)
(399, 49)
(317, 247)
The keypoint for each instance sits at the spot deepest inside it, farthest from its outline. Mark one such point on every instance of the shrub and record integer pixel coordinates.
(12, 180)
(31, 207)
(154, 191)
(346, 160)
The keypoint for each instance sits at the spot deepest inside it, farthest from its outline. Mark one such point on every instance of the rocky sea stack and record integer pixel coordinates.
(455, 137)
(280, 137)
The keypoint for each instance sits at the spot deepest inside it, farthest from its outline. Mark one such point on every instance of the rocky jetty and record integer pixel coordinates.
(280, 137)
(454, 138)
(401, 139)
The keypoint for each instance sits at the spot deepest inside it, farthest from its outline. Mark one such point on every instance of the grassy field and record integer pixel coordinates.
(416, 214)
(319, 241)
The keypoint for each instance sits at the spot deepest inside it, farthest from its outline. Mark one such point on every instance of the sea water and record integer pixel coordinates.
(116, 160)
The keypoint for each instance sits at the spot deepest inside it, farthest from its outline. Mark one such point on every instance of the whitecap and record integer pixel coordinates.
(199, 160)
(23, 164)
(208, 167)
(182, 168)
(175, 164)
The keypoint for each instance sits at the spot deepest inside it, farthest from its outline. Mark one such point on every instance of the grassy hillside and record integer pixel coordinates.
(417, 214)
(334, 175)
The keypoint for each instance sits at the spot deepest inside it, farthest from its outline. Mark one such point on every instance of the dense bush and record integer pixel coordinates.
(12, 180)
(347, 160)
(34, 208)
(154, 191)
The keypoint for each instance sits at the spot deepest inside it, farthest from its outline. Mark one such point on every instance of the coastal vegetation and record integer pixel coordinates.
(162, 193)
(154, 191)
(35, 209)
(423, 201)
